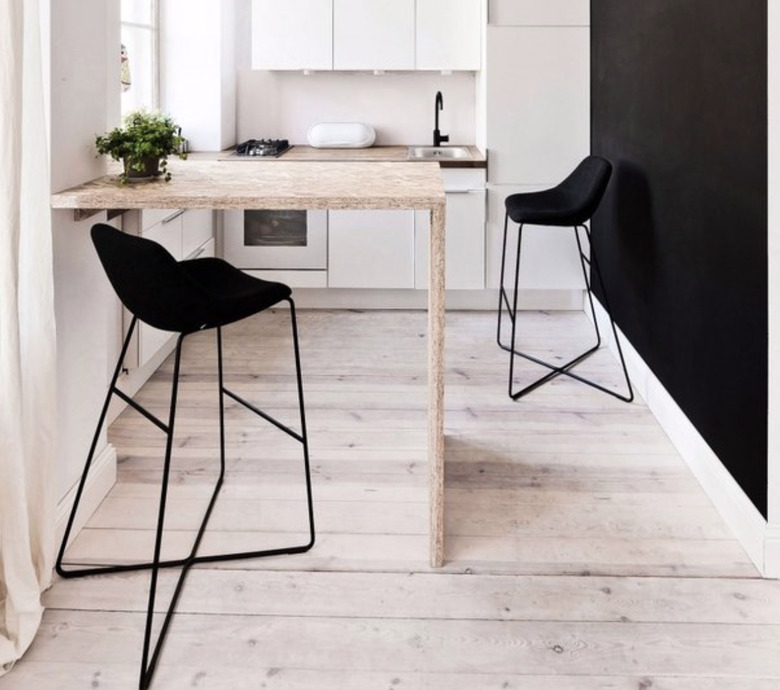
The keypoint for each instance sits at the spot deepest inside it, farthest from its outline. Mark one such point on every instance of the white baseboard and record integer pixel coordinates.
(480, 300)
(761, 543)
(101, 478)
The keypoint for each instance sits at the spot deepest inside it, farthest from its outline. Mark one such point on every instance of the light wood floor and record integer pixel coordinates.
(581, 553)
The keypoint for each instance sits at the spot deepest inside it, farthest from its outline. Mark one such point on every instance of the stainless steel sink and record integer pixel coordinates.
(438, 152)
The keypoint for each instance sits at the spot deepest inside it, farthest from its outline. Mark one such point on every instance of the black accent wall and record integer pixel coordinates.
(679, 105)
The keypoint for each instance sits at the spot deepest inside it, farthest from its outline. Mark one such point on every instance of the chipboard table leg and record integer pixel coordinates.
(436, 320)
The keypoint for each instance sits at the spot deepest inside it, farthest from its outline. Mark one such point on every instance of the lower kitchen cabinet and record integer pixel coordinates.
(464, 232)
(371, 249)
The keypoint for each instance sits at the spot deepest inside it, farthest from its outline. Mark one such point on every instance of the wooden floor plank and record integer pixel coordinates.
(436, 646)
(442, 596)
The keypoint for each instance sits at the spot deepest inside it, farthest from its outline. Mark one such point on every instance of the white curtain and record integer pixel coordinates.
(27, 334)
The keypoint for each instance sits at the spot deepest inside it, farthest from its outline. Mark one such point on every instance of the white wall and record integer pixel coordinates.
(84, 61)
(198, 67)
(400, 106)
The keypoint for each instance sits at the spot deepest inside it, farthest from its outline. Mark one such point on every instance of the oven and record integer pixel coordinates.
(281, 240)
(269, 239)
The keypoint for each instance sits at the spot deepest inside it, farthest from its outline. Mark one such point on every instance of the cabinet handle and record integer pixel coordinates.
(173, 216)
(462, 191)
(196, 253)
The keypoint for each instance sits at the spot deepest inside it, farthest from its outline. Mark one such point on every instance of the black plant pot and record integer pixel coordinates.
(149, 169)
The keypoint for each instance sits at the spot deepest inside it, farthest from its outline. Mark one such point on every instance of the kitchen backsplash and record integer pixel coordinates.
(400, 106)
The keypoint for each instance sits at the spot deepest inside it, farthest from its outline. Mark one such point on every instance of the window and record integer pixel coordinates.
(140, 55)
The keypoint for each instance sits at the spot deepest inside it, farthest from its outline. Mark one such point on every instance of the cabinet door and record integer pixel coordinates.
(292, 34)
(371, 249)
(464, 242)
(538, 102)
(448, 34)
(198, 228)
(373, 34)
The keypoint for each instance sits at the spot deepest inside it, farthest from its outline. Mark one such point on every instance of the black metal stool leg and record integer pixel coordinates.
(148, 665)
(502, 297)
(150, 655)
(304, 433)
(595, 270)
(556, 370)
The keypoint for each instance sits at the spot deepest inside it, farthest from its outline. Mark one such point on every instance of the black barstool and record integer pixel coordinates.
(184, 297)
(570, 204)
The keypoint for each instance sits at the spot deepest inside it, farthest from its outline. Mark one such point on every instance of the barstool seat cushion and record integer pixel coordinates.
(570, 203)
(179, 296)
(232, 294)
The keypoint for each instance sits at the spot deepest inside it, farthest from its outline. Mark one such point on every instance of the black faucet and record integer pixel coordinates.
(438, 137)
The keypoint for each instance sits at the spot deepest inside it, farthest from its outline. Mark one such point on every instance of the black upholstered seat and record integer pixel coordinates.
(183, 297)
(180, 296)
(571, 203)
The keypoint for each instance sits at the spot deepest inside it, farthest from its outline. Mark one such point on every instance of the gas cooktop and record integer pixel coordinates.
(268, 148)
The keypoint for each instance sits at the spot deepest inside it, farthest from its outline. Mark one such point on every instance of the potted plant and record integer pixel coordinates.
(143, 144)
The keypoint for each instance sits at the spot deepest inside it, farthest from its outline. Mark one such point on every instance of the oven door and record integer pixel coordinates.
(260, 239)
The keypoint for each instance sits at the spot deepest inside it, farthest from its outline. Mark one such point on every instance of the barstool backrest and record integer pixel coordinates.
(585, 187)
(147, 279)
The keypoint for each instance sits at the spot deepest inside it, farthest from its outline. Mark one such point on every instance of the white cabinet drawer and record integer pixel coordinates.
(371, 249)
(149, 217)
(168, 234)
(205, 251)
(198, 229)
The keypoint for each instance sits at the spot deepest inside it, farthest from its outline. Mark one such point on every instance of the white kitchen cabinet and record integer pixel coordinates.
(539, 12)
(464, 232)
(197, 74)
(538, 102)
(371, 249)
(448, 34)
(292, 34)
(197, 230)
(537, 131)
(373, 34)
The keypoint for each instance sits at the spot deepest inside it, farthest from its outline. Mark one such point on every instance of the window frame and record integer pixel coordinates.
(154, 29)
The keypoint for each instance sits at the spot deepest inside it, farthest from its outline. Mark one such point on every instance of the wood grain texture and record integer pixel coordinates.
(580, 553)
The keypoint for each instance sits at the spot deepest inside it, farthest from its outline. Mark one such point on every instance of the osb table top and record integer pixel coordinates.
(284, 185)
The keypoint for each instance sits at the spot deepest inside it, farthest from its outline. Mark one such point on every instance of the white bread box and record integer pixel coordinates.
(341, 135)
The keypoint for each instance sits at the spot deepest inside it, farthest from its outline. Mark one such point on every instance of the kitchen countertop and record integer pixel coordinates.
(202, 182)
(389, 154)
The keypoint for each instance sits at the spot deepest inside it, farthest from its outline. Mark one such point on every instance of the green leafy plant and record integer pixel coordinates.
(143, 144)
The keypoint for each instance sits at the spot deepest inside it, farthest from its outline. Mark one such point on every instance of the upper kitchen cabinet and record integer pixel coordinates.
(448, 34)
(387, 35)
(373, 34)
(538, 102)
(292, 35)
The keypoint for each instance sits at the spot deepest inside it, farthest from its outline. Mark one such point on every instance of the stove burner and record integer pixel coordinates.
(262, 147)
